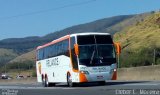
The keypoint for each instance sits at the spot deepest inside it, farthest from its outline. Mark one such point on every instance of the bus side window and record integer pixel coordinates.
(46, 52)
(38, 55)
(50, 51)
(56, 49)
(59, 48)
(53, 50)
(66, 46)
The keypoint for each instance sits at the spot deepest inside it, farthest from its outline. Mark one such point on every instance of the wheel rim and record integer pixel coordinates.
(43, 81)
(46, 82)
(69, 80)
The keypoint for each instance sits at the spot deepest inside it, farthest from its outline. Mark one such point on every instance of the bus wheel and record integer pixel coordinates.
(43, 82)
(69, 81)
(46, 83)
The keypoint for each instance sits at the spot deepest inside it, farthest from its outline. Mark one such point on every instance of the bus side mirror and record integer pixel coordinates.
(76, 48)
(118, 48)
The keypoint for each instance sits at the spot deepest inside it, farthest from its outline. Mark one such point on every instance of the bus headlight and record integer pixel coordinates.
(84, 72)
(115, 70)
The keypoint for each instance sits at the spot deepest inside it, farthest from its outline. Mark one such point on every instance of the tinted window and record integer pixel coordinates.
(97, 55)
(40, 54)
(83, 40)
(60, 48)
(94, 39)
(103, 39)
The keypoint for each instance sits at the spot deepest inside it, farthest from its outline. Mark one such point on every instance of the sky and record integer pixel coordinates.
(23, 18)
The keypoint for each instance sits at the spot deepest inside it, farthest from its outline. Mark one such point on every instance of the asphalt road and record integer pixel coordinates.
(111, 88)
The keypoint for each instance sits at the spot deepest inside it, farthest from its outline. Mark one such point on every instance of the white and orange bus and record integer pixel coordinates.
(77, 58)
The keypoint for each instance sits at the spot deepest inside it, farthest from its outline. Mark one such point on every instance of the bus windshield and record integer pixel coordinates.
(95, 55)
(96, 50)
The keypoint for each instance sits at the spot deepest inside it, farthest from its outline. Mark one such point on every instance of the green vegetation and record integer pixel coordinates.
(144, 57)
(26, 68)
(139, 42)
(29, 56)
(34, 74)
(19, 66)
(6, 55)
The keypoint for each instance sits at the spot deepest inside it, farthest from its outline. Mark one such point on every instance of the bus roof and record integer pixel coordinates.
(71, 35)
(54, 41)
(89, 33)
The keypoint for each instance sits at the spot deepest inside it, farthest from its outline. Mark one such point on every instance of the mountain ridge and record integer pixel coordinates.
(141, 42)
(23, 46)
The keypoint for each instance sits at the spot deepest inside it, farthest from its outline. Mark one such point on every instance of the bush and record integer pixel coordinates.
(26, 65)
(144, 57)
(158, 61)
(34, 74)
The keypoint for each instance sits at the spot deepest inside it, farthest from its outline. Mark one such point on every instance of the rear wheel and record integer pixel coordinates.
(46, 84)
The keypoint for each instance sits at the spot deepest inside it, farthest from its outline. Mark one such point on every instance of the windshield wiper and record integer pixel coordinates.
(92, 57)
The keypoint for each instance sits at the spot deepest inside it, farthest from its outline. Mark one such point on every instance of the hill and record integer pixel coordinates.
(24, 47)
(21, 46)
(127, 23)
(29, 56)
(6, 55)
(144, 34)
(140, 40)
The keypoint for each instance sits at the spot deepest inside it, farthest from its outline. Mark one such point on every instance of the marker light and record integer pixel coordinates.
(84, 72)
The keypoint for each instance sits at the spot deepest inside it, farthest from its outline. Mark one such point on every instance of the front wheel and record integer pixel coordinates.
(69, 81)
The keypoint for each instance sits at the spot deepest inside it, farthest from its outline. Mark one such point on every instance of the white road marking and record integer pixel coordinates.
(19, 87)
(139, 84)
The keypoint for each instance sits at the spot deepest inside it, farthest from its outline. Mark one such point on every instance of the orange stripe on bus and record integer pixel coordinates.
(114, 77)
(54, 41)
(82, 77)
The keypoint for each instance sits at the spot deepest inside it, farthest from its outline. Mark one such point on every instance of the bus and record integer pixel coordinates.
(77, 58)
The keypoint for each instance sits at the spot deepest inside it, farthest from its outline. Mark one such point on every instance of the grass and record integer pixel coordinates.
(144, 34)
(139, 40)
(27, 56)
(7, 52)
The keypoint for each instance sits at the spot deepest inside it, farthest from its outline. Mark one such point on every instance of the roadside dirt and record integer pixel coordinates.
(22, 81)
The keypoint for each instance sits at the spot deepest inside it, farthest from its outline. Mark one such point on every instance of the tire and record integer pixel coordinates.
(43, 82)
(46, 83)
(69, 81)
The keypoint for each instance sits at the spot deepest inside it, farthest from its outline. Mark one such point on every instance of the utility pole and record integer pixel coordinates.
(18, 69)
(118, 60)
(29, 69)
(154, 57)
(118, 49)
(5, 68)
